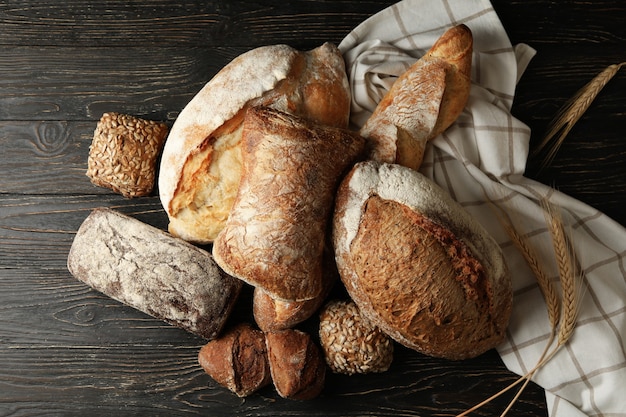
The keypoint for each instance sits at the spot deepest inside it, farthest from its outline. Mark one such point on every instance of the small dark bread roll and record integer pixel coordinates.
(237, 360)
(296, 363)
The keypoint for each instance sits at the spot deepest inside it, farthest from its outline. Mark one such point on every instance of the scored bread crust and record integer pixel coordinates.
(201, 161)
(422, 305)
(423, 102)
(275, 234)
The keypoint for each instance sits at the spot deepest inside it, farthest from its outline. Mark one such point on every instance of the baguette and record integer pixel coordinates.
(423, 102)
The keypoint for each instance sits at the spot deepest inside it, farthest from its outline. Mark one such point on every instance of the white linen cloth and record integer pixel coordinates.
(482, 157)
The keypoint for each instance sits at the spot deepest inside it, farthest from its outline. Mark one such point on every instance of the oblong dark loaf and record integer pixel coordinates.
(146, 268)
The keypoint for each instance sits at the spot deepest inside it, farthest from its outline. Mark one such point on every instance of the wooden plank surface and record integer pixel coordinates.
(69, 351)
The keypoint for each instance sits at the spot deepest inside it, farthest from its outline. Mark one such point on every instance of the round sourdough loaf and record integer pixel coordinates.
(201, 161)
(417, 264)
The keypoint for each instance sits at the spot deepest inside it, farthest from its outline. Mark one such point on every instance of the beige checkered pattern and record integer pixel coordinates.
(482, 158)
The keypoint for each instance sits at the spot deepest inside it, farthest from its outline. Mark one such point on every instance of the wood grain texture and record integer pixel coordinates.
(68, 350)
(72, 83)
(185, 23)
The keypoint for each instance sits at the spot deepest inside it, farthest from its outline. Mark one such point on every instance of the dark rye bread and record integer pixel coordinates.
(418, 265)
(146, 268)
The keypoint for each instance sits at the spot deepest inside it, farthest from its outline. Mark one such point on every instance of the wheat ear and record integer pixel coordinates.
(553, 303)
(568, 272)
(568, 267)
(563, 312)
(572, 111)
(549, 293)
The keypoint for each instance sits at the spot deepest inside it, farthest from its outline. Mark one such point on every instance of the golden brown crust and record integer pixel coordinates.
(275, 234)
(237, 360)
(296, 364)
(417, 265)
(201, 164)
(423, 102)
(272, 314)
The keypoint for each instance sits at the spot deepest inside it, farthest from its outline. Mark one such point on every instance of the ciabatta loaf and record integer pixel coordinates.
(417, 264)
(275, 234)
(201, 162)
(423, 102)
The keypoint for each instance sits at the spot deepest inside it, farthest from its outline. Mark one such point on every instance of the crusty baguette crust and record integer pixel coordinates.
(450, 299)
(423, 102)
(201, 162)
(274, 237)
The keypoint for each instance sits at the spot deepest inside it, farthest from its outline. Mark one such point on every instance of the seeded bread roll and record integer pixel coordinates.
(417, 264)
(275, 234)
(123, 154)
(422, 102)
(201, 163)
(146, 268)
(351, 344)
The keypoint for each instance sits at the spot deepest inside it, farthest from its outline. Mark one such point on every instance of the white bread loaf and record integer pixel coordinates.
(201, 162)
(417, 264)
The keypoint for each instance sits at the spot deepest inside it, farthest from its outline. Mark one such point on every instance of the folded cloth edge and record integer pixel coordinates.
(368, 36)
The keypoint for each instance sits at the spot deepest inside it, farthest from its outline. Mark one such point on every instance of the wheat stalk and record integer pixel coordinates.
(573, 110)
(553, 303)
(562, 313)
(568, 272)
(548, 291)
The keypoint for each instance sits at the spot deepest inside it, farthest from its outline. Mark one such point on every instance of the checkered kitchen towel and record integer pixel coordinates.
(482, 157)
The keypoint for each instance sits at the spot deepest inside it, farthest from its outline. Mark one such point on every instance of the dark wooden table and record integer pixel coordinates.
(66, 350)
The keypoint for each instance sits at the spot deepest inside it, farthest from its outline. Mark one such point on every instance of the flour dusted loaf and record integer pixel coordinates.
(275, 234)
(146, 268)
(201, 162)
(276, 314)
(417, 264)
(423, 102)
